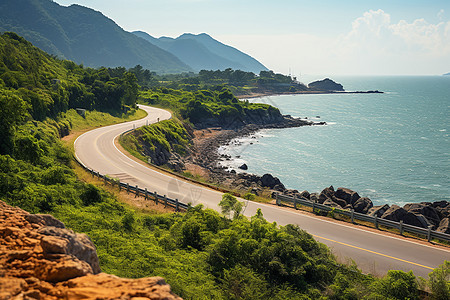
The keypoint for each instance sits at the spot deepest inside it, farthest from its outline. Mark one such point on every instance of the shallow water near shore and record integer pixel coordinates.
(393, 148)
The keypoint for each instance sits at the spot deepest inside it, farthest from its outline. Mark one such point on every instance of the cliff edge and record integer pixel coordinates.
(41, 259)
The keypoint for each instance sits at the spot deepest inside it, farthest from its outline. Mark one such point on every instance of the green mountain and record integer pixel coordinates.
(83, 35)
(202, 52)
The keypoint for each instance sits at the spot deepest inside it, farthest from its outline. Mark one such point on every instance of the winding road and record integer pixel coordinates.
(372, 251)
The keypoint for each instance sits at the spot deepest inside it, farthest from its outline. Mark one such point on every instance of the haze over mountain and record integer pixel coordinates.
(83, 35)
(202, 52)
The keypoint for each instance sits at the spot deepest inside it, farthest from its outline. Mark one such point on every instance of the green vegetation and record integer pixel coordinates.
(229, 204)
(202, 254)
(237, 81)
(211, 107)
(83, 35)
(158, 140)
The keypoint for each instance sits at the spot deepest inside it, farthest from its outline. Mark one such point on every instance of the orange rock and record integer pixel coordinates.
(41, 259)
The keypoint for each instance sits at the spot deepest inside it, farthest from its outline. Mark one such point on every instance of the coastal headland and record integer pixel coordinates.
(197, 156)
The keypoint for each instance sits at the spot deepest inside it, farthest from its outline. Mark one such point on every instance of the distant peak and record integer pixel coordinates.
(190, 35)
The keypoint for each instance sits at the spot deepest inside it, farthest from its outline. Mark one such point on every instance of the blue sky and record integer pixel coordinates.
(309, 37)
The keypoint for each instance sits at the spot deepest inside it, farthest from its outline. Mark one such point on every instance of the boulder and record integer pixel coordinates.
(394, 213)
(418, 220)
(444, 226)
(362, 205)
(305, 194)
(314, 197)
(348, 195)
(331, 203)
(340, 202)
(65, 241)
(327, 193)
(442, 208)
(243, 167)
(425, 209)
(267, 180)
(378, 210)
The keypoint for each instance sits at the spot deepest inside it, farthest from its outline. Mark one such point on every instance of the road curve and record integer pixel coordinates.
(373, 252)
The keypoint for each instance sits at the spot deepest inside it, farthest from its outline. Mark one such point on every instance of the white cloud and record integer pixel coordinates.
(374, 45)
(386, 47)
(440, 14)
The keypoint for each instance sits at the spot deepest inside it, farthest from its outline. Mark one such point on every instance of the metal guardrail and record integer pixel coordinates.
(430, 234)
(163, 199)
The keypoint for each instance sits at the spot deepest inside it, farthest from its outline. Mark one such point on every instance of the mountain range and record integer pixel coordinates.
(88, 37)
(202, 52)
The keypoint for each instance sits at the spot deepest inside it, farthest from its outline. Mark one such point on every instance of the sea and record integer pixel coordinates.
(393, 147)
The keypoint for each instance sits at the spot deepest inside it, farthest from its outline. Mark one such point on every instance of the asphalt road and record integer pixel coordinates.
(373, 252)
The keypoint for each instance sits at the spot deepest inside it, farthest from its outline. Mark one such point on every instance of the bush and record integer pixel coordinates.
(229, 204)
(396, 285)
(91, 195)
(439, 282)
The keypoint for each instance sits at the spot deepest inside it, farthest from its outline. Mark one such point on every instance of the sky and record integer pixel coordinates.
(327, 37)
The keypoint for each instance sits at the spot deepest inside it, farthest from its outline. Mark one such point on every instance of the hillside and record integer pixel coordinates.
(202, 52)
(83, 35)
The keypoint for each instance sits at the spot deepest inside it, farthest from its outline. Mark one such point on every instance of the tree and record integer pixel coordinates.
(229, 204)
(131, 89)
(439, 282)
(13, 111)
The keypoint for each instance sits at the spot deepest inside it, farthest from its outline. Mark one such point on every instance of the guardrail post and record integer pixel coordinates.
(93, 173)
(429, 234)
(376, 222)
(313, 204)
(137, 192)
(176, 204)
(128, 188)
(156, 197)
(146, 194)
(401, 227)
(352, 215)
(295, 202)
(165, 201)
(277, 200)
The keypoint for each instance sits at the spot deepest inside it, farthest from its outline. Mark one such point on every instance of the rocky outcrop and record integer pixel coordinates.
(41, 259)
(378, 210)
(347, 194)
(394, 213)
(362, 205)
(326, 85)
(444, 226)
(426, 210)
(267, 180)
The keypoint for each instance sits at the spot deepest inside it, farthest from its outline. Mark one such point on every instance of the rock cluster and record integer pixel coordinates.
(425, 214)
(41, 259)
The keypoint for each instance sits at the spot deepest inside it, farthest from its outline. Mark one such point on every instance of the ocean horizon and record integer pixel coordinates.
(393, 147)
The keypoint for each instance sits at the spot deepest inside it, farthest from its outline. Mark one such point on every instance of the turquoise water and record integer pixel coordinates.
(392, 147)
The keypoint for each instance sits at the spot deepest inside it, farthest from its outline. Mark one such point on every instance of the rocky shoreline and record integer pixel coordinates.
(204, 160)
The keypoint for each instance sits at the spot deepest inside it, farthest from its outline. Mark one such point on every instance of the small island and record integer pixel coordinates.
(447, 74)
